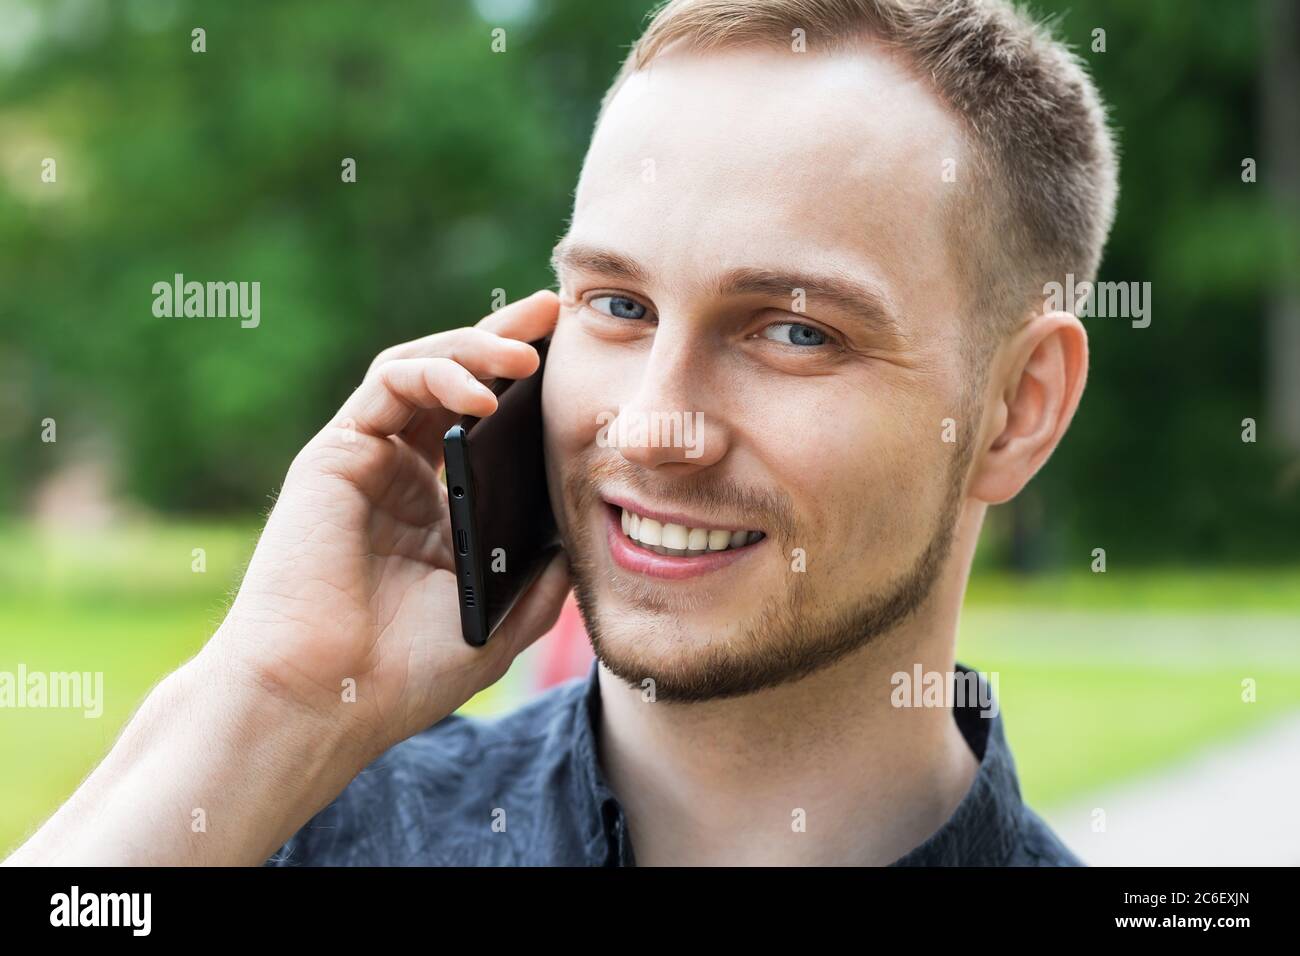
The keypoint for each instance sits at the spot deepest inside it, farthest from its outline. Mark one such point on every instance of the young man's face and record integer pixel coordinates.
(716, 188)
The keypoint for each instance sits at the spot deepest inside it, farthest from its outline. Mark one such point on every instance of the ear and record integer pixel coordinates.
(1036, 388)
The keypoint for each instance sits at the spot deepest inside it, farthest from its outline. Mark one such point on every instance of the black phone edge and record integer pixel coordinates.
(471, 595)
(471, 590)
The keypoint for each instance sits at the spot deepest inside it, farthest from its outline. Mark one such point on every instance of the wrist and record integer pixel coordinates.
(212, 769)
(282, 759)
(263, 698)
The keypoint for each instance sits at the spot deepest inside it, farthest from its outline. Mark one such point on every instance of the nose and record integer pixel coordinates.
(670, 421)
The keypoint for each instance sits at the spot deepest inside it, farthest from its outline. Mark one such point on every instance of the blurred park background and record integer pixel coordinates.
(173, 435)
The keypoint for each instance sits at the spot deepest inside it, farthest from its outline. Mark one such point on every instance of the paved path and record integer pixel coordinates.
(1237, 803)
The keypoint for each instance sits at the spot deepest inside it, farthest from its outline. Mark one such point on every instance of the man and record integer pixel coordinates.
(823, 229)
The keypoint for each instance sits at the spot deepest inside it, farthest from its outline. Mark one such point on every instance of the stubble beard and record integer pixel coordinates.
(790, 638)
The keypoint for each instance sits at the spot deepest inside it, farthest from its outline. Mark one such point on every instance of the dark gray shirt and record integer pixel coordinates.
(527, 789)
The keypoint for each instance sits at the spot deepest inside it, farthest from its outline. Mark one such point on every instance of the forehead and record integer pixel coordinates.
(765, 157)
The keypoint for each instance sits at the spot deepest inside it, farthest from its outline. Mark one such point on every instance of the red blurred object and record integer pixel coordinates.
(565, 650)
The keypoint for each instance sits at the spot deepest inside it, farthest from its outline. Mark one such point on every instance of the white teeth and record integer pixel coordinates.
(678, 539)
(675, 536)
(651, 532)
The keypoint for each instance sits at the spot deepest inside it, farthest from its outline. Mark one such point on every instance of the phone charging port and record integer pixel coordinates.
(462, 541)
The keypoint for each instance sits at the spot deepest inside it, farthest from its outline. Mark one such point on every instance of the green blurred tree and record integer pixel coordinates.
(226, 165)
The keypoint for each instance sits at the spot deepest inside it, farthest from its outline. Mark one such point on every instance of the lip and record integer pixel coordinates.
(670, 517)
(667, 567)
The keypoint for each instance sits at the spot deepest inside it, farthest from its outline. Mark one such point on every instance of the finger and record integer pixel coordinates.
(405, 485)
(538, 610)
(425, 433)
(527, 319)
(387, 400)
(484, 353)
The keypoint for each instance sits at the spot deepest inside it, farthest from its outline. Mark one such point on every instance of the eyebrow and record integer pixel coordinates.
(861, 300)
(568, 254)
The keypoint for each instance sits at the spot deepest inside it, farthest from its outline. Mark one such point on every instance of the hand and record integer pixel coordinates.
(354, 577)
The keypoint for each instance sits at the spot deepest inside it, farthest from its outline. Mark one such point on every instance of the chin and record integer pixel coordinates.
(683, 665)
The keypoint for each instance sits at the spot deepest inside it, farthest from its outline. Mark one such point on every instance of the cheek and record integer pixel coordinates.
(792, 443)
(567, 394)
(585, 383)
(563, 420)
(863, 472)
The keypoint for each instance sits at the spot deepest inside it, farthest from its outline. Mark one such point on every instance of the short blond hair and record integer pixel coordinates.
(1041, 199)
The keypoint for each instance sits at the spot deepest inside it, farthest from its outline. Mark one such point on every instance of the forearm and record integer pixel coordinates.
(209, 771)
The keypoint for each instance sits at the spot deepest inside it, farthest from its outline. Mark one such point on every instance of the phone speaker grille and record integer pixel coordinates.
(469, 596)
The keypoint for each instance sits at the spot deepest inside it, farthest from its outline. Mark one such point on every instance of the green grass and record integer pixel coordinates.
(1080, 715)
(1157, 589)
(1100, 677)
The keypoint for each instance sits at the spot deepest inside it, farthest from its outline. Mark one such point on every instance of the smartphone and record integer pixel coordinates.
(503, 529)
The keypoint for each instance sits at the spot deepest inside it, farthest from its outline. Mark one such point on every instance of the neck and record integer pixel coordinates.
(821, 771)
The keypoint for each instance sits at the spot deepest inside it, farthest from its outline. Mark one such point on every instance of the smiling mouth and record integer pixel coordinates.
(680, 541)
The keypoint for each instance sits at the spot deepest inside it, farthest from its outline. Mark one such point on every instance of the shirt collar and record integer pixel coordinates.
(608, 842)
(982, 831)
(984, 828)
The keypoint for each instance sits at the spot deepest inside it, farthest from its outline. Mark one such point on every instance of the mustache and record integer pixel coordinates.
(705, 491)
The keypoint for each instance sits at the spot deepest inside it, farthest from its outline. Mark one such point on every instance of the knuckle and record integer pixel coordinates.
(462, 336)
(384, 357)
(459, 343)
(395, 374)
(442, 375)
(338, 440)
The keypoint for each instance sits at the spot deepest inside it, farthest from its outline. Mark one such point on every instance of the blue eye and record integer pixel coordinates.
(620, 307)
(794, 333)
